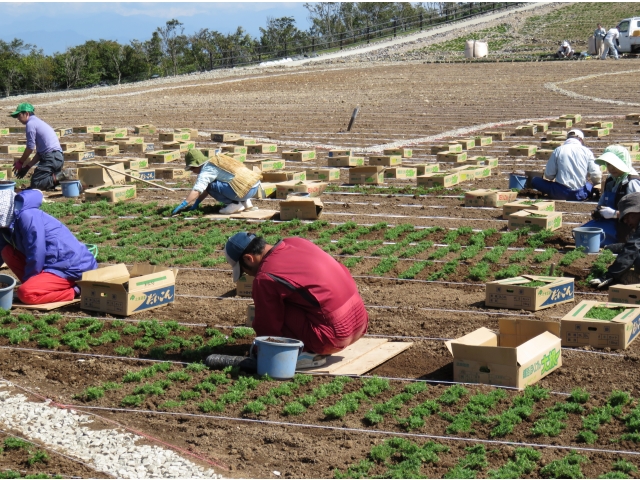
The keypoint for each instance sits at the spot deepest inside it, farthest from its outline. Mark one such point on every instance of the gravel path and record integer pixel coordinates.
(111, 451)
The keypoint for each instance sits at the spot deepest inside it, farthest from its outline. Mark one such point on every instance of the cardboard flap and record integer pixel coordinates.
(485, 354)
(534, 347)
(111, 274)
(482, 336)
(516, 332)
(157, 278)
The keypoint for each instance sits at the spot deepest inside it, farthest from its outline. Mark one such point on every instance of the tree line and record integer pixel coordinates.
(170, 51)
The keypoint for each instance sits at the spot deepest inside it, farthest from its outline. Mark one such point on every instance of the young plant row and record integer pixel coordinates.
(14, 449)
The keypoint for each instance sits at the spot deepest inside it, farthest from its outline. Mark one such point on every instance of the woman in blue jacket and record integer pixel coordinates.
(45, 256)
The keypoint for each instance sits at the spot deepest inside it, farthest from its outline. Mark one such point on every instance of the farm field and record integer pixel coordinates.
(419, 257)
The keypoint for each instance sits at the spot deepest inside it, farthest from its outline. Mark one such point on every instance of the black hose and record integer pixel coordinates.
(218, 362)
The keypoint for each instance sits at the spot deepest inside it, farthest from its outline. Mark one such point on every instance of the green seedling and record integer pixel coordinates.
(385, 266)
(293, 408)
(254, 407)
(12, 443)
(179, 376)
(210, 406)
(545, 256)
(242, 332)
(132, 400)
(579, 395)
(524, 463)
(452, 395)
(124, 351)
(38, 456)
(619, 398)
(567, 467)
(532, 284)
(604, 313)
(495, 255)
(510, 272)
(479, 272)
(570, 257)
(170, 404)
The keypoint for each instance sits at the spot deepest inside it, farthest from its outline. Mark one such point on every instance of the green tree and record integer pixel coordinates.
(10, 63)
(173, 42)
(281, 35)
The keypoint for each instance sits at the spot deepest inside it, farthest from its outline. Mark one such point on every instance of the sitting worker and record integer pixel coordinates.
(299, 292)
(564, 50)
(622, 180)
(43, 139)
(628, 252)
(45, 256)
(222, 177)
(569, 165)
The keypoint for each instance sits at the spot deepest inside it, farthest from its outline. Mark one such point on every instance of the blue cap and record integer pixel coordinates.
(234, 248)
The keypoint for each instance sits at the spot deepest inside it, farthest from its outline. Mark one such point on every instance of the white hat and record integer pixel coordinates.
(565, 44)
(613, 160)
(576, 132)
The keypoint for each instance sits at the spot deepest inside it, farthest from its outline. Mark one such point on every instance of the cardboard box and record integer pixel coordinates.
(452, 157)
(543, 154)
(245, 141)
(483, 141)
(284, 176)
(608, 125)
(12, 148)
(595, 132)
(385, 160)
(128, 141)
(63, 131)
(173, 137)
(632, 116)
(496, 135)
(450, 148)
(104, 137)
(339, 153)
(262, 148)
(144, 129)
(143, 174)
(618, 333)
(110, 193)
(344, 161)
(132, 163)
(560, 135)
(531, 205)
(79, 156)
(234, 149)
(366, 175)
(424, 168)
(575, 117)
(251, 315)
(244, 286)
(119, 131)
(632, 147)
(551, 144)
(523, 151)
(524, 352)
(561, 123)
(303, 208)
(5, 131)
(299, 155)
(172, 173)
(193, 133)
(240, 157)
(210, 152)
(266, 165)
(224, 137)
(71, 146)
(541, 126)
(269, 190)
(535, 220)
(478, 171)
(106, 150)
(138, 148)
(526, 130)
(17, 129)
(467, 143)
(120, 291)
(400, 172)
(324, 174)
(95, 176)
(513, 293)
(87, 129)
(182, 146)
(431, 180)
(625, 294)
(483, 161)
(403, 152)
(314, 189)
(6, 172)
(163, 156)
(488, 198)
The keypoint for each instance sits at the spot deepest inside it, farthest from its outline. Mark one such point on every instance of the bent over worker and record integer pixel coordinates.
(43, 139)
(222, 177)
(629, 251)
(622, 180)
(570, 165)
(299, 292)
(45, 256)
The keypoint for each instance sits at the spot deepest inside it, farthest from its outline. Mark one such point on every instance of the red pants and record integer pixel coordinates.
(41, 288)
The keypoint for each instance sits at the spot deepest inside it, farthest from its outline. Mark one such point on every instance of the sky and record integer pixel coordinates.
(56, 26)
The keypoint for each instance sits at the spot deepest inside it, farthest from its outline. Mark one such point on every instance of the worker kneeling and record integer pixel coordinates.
(45, 256)
(222, 177)
(622, 180)
(569, 165)
(299, 292)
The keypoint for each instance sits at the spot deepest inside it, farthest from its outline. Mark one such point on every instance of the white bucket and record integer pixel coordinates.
(481, 49)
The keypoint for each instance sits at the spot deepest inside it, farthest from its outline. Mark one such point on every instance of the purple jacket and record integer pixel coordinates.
(46, 243)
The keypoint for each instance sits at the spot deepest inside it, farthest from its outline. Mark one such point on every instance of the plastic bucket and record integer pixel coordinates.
(6, 293)
(277, 356)
(71, 188)
(7, 185)
(589, 238)
(517, 181)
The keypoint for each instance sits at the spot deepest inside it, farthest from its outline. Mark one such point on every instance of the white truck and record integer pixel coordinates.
(629, 40)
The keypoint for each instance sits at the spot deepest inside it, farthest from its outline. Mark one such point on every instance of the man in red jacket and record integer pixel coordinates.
(299, 292)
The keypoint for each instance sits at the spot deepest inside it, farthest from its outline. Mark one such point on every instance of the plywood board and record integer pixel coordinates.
(364, 355)
(44, 306)
(252, 215)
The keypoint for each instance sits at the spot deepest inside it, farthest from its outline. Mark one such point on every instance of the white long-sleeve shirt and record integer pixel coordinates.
(612, 35)
(572, 164)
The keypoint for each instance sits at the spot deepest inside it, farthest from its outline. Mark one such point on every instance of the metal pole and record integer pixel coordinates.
(341, 41)
(353, 118)
(420, 21)
(395, 26)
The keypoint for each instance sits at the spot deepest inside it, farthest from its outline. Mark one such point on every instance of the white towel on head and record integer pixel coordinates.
(6, 207)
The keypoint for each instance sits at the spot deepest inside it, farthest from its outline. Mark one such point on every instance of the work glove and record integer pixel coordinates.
(17, 167)
(22, 172)
(180, 207)
(597, 283)
(607, 212)
(194, 206)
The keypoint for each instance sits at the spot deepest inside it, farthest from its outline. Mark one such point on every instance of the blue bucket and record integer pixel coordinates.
(71, 188)
(588, 237)
(7, 185)
(517, 181)
(277, 356)
(6, 293)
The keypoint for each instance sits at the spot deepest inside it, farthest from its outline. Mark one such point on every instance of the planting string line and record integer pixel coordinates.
(113, 357)
(128, 320)
(361, 430)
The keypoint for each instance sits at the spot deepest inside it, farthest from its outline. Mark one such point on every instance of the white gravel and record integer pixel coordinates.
(111, 451)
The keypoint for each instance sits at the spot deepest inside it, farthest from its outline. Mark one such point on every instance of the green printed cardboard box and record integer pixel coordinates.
(400, 172)
(144, 129)
(366, 175)
(403, 152)
(483, 161)
(523, 151)
(424, 168)
(451, 157)
(324, 174)
(174, 137)
(299, 155)
(488, 198)
(87, 129)
(345, 161)
(111, 193)
(120, 291)
(12, 148)
(385, 160)
(284, 176)
(266, 165)
(495, 135)
(312, 188)
(536, 220)
(531, 205)
(262, 148)
(524, 352)
(529, 292)
(234, 149)
(619, 293)
(575, 117)
(163, 156)
(601, 325)
(339, 153)
(483, 141)
(244, 286)
(431, 180)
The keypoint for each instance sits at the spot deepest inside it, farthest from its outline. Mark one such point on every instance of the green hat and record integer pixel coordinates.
(195, 158)
(23, 107)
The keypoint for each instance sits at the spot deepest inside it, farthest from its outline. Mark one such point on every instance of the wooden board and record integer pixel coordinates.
(364, 355)
(252, 215)
(44, 306)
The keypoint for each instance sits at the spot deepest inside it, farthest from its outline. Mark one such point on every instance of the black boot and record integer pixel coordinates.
(65, 174)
